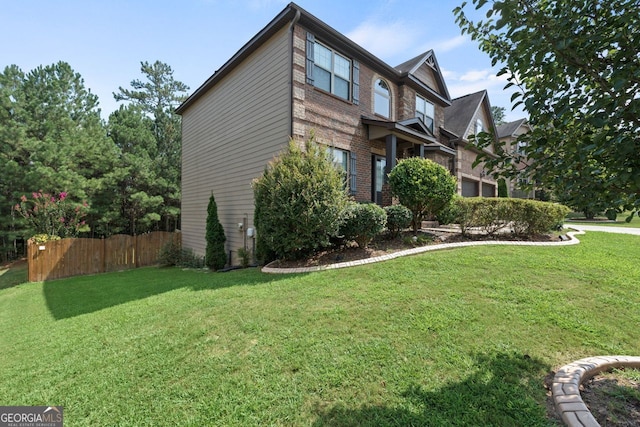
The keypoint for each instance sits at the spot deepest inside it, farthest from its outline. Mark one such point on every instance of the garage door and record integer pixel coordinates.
(488, 190)
(469, 188)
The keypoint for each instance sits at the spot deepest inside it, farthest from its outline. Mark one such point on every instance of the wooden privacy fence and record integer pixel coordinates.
(75, 257)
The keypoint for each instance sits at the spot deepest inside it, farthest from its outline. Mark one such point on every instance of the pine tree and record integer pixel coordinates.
(215, 257)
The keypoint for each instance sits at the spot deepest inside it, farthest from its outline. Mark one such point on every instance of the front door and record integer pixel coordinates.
(378, 165)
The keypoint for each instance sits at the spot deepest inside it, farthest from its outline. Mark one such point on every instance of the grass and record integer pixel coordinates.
(457, 337)
(619, 222)
(13, 274)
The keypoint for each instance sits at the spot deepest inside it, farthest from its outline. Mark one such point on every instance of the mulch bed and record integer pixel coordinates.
(383, 245)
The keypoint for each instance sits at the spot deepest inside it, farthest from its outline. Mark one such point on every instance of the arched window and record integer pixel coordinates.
(381, 98)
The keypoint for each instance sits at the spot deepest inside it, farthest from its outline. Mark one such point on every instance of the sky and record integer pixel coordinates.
(105, 41)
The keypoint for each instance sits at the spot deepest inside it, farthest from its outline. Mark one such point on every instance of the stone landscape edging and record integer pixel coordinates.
(413, 251)
(566, 386)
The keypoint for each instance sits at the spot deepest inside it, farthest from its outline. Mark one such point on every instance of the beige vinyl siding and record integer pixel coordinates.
(229, 136)
(425, 74)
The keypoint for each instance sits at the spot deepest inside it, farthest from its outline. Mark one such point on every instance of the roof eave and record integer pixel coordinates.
(272, 27)
(445, 101)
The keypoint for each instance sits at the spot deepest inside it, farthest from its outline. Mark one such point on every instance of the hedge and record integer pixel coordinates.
(525, 217)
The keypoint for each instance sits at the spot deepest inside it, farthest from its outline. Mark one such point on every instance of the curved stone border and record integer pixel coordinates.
(413, 251)
(566, 386)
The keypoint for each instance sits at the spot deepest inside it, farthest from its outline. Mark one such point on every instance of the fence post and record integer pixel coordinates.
(104, 255)
(30, 262)
(135, 251)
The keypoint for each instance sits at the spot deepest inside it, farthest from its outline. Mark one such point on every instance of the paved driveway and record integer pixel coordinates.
(606, 229)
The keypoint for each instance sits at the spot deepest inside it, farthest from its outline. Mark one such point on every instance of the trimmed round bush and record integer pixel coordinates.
(398, 219)
(363, 222)
(423, 186)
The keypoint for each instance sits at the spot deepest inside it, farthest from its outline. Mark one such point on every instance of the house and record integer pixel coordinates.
(299, 75)
(470, 115)
(509, 133)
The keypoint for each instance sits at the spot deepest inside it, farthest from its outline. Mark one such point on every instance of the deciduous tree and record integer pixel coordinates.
(577, 68)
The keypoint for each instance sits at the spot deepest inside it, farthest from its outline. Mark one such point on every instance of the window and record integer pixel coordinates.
(327, 69)
(425, 111)
(340, 158)
(332, 71)
(521, 148)
(381, 98)
(479, 126)
(345, 161)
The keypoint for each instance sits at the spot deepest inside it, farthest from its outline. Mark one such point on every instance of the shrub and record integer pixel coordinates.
(423, 186)
(189, 259)
(502, 188)
(611, 214)
(398, 218)
(526, 217)
(43, 238)
(449, 214)
(299, 202)
(245, 257)
(172, 254)
(363, 222)
(215, 257)
(53, 215)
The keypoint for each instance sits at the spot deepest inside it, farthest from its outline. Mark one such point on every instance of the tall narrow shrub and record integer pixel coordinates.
(502, 188)
(215, 257)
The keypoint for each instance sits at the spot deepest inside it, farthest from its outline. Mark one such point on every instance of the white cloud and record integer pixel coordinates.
(386, 39)
(448, 74)
(448, 44)
(471, 81)
(476, 75)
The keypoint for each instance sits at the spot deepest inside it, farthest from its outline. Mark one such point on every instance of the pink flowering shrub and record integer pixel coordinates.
(53, 215)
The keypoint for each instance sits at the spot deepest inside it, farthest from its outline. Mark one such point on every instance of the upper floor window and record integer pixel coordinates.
(479, 126)
(329, 70)
(332, 71)
(382, 98)
(425, 111)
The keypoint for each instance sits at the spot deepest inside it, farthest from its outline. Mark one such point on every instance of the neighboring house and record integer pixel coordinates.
(470, 115)
(298, 75)
(509, 133)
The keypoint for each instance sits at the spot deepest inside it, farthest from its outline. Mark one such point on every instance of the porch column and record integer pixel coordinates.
(392, 155)
(421, 151)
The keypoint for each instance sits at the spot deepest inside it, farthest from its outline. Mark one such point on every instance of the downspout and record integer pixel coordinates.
(291, 64)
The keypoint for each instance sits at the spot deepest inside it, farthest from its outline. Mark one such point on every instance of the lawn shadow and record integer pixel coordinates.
(75, 296)
(500, 392)
(13, 274)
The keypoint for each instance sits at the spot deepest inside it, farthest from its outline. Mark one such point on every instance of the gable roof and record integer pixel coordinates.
(508, 129)
(410, 67)
(294, 14)
(460, 114)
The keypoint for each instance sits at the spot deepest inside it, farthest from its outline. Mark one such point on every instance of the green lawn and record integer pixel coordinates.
(619, 222)
(13, 274)
(456, 337)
